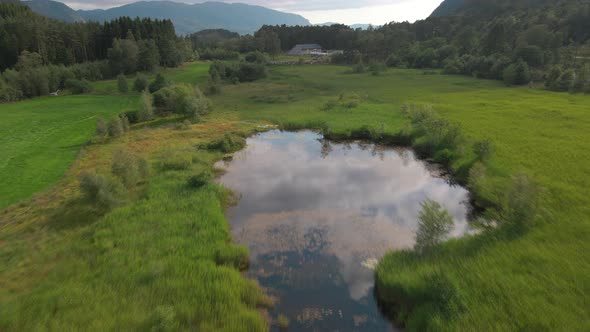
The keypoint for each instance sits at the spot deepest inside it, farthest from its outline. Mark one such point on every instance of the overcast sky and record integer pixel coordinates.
(318, 11)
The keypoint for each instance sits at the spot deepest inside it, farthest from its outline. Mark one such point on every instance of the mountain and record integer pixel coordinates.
(54, 9)
(490, 8)
(187, 18)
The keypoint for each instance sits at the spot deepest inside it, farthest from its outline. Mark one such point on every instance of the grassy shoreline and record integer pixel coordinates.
(502, 282)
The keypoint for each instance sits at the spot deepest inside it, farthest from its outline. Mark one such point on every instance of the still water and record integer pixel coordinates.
(318, 215)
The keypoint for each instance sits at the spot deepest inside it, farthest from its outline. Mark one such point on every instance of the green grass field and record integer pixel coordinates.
(77, 270)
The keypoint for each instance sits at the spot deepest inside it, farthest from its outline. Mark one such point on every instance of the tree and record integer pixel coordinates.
(434, 224)
(115, 127)
(123, 56)
(122, 83)
(483, 149)
(517, 73)
(102, 128)
(158, 83)
(146, 108)
(28, 60)
(141, 83)
(125, 167)
(268, 41)
(149, 56)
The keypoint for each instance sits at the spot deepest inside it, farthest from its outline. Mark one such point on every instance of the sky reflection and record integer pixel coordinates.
(300, 194)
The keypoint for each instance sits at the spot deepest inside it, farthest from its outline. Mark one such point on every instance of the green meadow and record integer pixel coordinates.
(163, 259)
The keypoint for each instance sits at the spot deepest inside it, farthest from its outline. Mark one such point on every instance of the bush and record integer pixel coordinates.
(521, 204)
(235, 256)
(78, 86)
(256, 57)
(101, 191)
(125, 122)
(434, 224)
(182, 99)
(359, 68)
(102, 128)
(517, 74)
(227, 144)
(122, 85)
(141, 83)
(199, 180)
(483, 149)
(146, 108)
(125, 167)
(116, 127)
(158, 83)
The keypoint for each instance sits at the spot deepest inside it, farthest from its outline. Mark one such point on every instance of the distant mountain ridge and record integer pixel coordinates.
(488, 7)
(187, 18)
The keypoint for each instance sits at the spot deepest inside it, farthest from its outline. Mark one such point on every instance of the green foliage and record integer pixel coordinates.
(146, 107)
(158, 83)
(116, 127)
(521, 205)
(199, 180)
(182, 99)
(103, 192)
(434, 224)
(123, 56)
(256, 57)
(517, 74)
(483, 149)
(122, 85)
(102, 128)
(141, 83)
(227, 144)
(174, 161)
(235, 256)
(78, 86)
(125, 166)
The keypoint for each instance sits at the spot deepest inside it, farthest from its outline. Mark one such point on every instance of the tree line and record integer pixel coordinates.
(41, 55)
(547, 42)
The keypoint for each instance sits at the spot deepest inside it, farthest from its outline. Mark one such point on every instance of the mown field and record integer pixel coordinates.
(151, 263)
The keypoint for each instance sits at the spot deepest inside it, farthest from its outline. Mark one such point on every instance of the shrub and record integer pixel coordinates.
(141, 83)
(144, 168)
(125, 167)
(146, 108)
(101, 191)
(483, 149)
(182, 99)
(517, 74)
(236, 256)
(521, 204)
(250, 72)
(199, 180)
(227, 144)
(256, 57)
(78, 86)
(359, 68)
(122, 85)
(116, 127)
(158, 83)
(376, 68)
(434, 224)
(125, 122)
(102, 128)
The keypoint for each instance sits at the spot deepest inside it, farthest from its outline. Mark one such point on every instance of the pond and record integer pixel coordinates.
(318, 215)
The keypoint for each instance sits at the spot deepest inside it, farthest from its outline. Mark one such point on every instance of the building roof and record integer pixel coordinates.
(301, 48)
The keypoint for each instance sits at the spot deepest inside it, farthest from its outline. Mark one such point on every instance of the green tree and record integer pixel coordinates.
(116, 127)
(141, 83)
(434, 224)
(158, 83)
(28, 60)
(123, 56)
(149, 55)
(146, 108)
(517, 73)
(122, 83)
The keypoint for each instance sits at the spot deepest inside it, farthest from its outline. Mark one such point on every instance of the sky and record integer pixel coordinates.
(375, 12)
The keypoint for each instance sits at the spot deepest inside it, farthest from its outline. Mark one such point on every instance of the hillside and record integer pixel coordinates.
(55, 10)
(496, 7)
(187, 18)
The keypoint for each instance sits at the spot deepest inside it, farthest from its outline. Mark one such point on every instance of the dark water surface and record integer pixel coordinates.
(318, 215)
